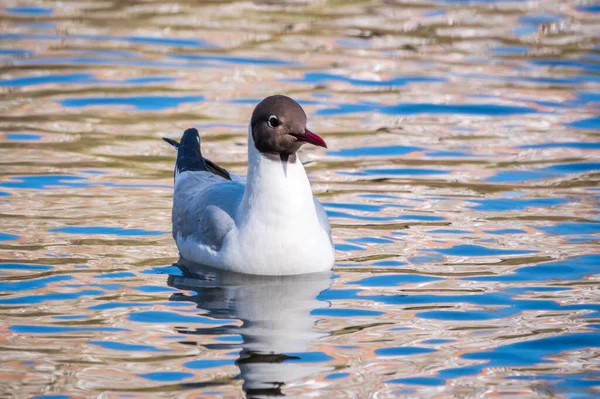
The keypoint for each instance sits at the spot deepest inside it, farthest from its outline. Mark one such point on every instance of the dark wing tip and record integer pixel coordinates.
(191, 130)
(172, 142)
(189, 157)
(216, 169)
(191, 139)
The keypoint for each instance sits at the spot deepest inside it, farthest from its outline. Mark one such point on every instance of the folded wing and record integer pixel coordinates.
(205, 198)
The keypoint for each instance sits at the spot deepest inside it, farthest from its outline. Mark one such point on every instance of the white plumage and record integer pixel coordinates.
(269, 225)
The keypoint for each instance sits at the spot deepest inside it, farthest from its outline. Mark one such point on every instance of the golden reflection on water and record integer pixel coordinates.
(461, 179)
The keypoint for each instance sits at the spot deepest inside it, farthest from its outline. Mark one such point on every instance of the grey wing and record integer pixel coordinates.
(204, 206)
(322, 216)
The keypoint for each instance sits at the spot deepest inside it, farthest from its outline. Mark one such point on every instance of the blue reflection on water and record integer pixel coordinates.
(33, 299)
(472, 315)
(421, 217)
(476, 250)
(348, 247)
(403, 351)
(118, 346)
(580, 79)
(115, 275)
(138, 62)
(356, 207)
(575, 268)
(118, 305)
(437, 341)
(336, 376)
(538, 19)
(119, 231)
(170, 270)
(440, 154)
(45, 181)
(307, 357)
(591, 123)
(22, 136)
(321, 77)
(577, 144)
(372, 240)
(572, 228)
(21, 266)
(426, 108)
(170, 317)
(8, 237)
(166, 376)
(475, 1)
(394, 280)
(392, 150)
(164, 41)
(27, 329)
(44, 79)
(524, 30)
(514, 204)
(32, 284)
(142, 103)
(13, 52)
(78, 78)
(534, 351)
(449, 231)
(398, 172)
(29, 10)
(510, 50)
(544, 173)
(578, 64)
(389, 263)
(570, 80)
(344, 215)
(594, 8)
(506, 231)
(337, 294)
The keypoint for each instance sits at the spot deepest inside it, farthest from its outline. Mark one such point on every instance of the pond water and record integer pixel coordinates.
(461, 181)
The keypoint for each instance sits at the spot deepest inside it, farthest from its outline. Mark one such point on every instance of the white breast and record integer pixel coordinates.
(278, 226)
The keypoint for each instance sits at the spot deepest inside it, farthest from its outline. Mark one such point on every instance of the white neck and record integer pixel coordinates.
(276, 187)
(277, 218)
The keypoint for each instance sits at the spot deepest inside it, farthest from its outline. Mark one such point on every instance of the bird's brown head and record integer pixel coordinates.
(279, 127)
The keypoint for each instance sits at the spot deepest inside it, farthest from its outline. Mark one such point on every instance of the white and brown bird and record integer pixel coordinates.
(269, 224)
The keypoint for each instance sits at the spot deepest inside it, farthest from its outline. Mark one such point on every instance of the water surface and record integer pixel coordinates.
(461, 181)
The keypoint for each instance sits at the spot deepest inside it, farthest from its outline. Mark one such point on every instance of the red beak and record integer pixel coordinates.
(310, 137)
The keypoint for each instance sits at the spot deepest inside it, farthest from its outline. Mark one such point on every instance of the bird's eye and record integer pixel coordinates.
(273, 121)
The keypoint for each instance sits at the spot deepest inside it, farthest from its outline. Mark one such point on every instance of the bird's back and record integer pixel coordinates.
(204, 208)
(205, 198)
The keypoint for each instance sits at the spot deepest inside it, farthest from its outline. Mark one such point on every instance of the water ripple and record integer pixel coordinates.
(461, 181)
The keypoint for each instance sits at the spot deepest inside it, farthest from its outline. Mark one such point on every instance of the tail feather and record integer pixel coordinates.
(189, 156)
(172, 142)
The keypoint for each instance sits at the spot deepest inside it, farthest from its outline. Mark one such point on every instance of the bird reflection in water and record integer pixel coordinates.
(276, 315)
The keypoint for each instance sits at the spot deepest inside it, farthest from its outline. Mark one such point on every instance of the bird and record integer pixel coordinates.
(266, 224)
